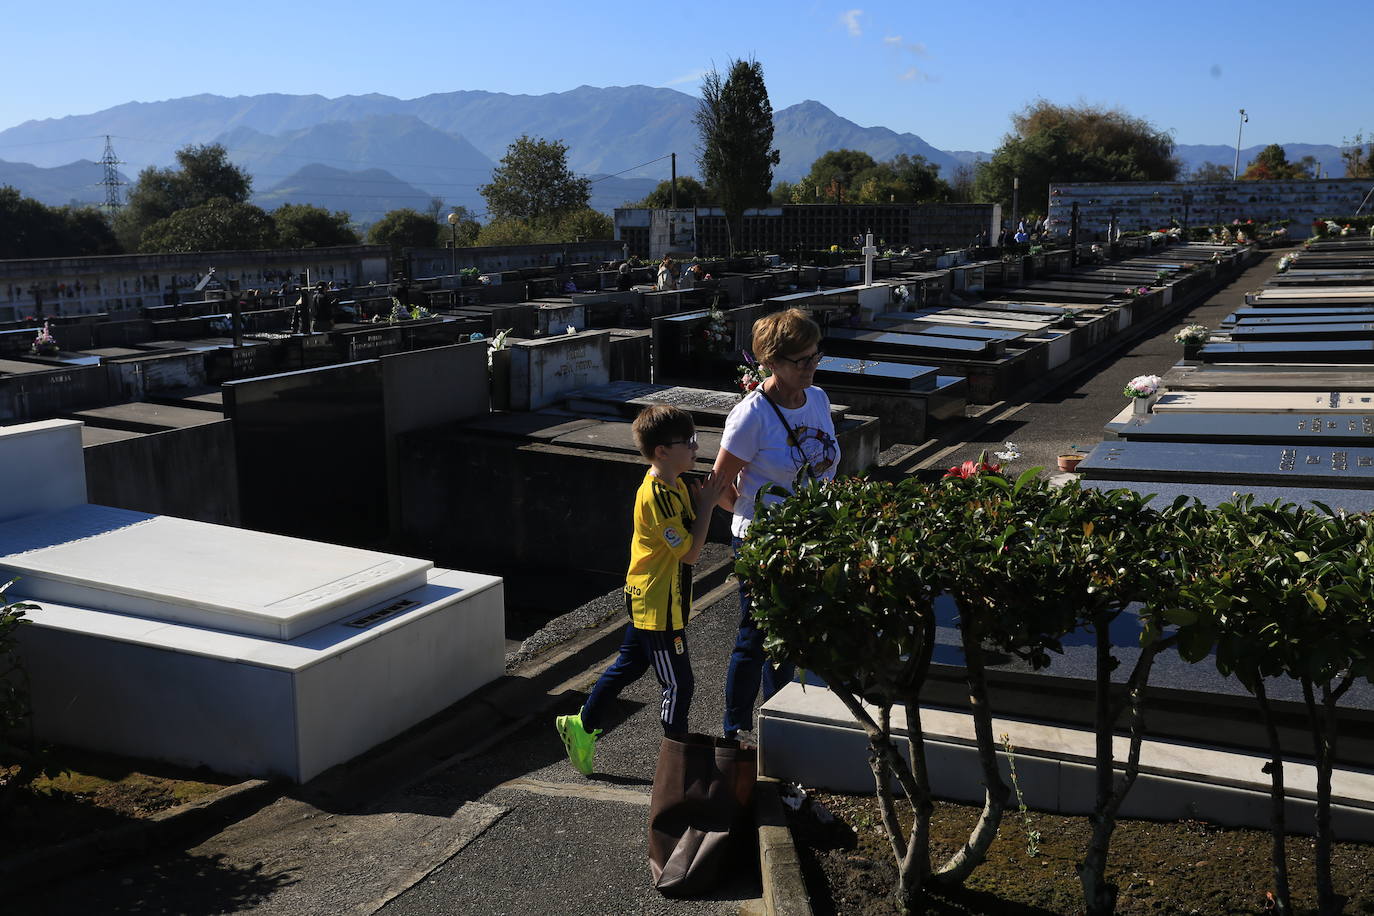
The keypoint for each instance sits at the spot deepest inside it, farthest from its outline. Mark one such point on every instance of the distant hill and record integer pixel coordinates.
(442, 164)
(445, 144)
(76, 182)
(367, 194)
(804, 132)
(608, 130)
(1194, 155)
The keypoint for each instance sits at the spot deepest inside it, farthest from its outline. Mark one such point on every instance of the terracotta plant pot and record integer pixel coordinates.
(1070, 462)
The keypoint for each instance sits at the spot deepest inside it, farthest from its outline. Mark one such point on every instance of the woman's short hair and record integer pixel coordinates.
(789, 331)
(661, 424)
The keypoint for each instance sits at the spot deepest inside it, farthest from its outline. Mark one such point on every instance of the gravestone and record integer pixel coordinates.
(1255, 428)
(880, 344)
(1316, 403)
(311, 455)
(1296, 351)
(552, 319)
(202, 645)
(1292, 464)
(542, 371)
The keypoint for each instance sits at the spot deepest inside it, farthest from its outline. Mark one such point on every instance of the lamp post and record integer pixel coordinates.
(453, 256)
(1235, 173)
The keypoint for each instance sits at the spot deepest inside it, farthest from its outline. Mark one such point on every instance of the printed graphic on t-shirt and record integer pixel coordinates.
(815, 447)
(672, 536)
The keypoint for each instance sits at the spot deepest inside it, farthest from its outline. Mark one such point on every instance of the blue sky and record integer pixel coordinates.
(950, 72)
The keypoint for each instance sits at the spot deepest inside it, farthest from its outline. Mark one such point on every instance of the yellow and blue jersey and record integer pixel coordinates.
(658, 586)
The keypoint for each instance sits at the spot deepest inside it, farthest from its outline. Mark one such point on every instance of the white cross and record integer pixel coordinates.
(869, 251)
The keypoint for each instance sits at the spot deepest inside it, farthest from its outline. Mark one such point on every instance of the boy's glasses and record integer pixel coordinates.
(804, 362)
(690, 443)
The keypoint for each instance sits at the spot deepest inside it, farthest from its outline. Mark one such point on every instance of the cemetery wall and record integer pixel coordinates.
(1149, 205)
(811, 226)
(114, 283)
(187, 473)
(440, 262)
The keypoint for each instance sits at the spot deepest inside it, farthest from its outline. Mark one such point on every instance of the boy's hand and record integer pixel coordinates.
(706, 494)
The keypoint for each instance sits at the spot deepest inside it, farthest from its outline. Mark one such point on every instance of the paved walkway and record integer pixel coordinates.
(513, 829)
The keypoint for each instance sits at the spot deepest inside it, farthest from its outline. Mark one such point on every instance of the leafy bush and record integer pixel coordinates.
(15, 743)
(844, 577)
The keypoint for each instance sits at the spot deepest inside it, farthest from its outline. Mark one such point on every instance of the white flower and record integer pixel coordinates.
(572, 330)
(1142, 386)
(1011, 453)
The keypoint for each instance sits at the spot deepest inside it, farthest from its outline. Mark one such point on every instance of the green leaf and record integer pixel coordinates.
(1301, 557)
(1315, 598)
(1179, 616)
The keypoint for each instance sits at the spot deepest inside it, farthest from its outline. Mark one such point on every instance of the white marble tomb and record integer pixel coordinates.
(247, 652)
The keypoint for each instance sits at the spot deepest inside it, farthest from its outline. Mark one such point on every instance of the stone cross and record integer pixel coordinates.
(869, 252)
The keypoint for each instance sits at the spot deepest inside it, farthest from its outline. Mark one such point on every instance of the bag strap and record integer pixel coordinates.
(791, 436)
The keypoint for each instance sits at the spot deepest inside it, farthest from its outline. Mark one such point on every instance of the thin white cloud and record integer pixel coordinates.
(686, 78)
(850, 18)
(893, 40)
(915, 74)
(918, 49)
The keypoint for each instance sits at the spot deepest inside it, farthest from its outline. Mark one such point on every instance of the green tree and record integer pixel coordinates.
(30, 229)
(404, 228)
(509, 232)
(1054, 143)
(87, 231)
(735, 121)
(202, 173)
(690, 193)
(1358, 158)
(1211, 171)
(468, 227)
(219, 224)
(586, 224)
(835, 171)
(309, 226)
(533, 182)
(1271, 164)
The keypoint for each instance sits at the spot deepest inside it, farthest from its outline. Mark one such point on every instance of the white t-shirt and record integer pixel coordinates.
(754, 434)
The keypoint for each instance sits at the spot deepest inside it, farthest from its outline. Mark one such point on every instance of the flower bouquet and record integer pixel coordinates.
(44, 344)
(1142, 391)
(716, 333)
(1194, 334)
(751, 375)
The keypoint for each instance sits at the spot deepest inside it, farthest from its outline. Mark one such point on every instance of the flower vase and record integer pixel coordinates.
(1140, 407)
(1192, 349)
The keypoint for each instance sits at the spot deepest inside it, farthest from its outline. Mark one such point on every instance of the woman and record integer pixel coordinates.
(667, 275)
(776, 430)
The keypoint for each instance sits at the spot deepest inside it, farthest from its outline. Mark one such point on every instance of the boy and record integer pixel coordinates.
(670, 523)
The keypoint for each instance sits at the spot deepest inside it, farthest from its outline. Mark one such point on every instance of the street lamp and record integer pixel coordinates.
(1235, 173)
(453, 256)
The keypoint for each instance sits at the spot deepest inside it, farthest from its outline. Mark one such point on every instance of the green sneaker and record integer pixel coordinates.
(580, 744)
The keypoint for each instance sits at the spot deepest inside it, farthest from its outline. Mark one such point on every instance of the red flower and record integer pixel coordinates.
(973, 469)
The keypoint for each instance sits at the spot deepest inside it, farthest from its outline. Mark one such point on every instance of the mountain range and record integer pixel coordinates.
(371, 153)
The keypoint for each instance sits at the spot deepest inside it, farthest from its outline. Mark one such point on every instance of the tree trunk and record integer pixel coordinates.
(882, 776)
(1282, 897)
(915, 867)
(914, 864)
(1323, 738)
(995, 791)
(1099, 896)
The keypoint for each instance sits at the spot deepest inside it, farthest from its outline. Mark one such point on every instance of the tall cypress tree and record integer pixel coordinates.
(737, 157)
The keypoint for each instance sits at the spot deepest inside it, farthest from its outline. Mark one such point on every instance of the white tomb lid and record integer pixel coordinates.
(211, 576)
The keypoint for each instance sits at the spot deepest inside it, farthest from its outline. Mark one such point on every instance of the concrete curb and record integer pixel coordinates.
(28, 869)
(784, 888)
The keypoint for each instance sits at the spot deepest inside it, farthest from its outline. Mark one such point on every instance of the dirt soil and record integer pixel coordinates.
(1179, 867)
(95, 792)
